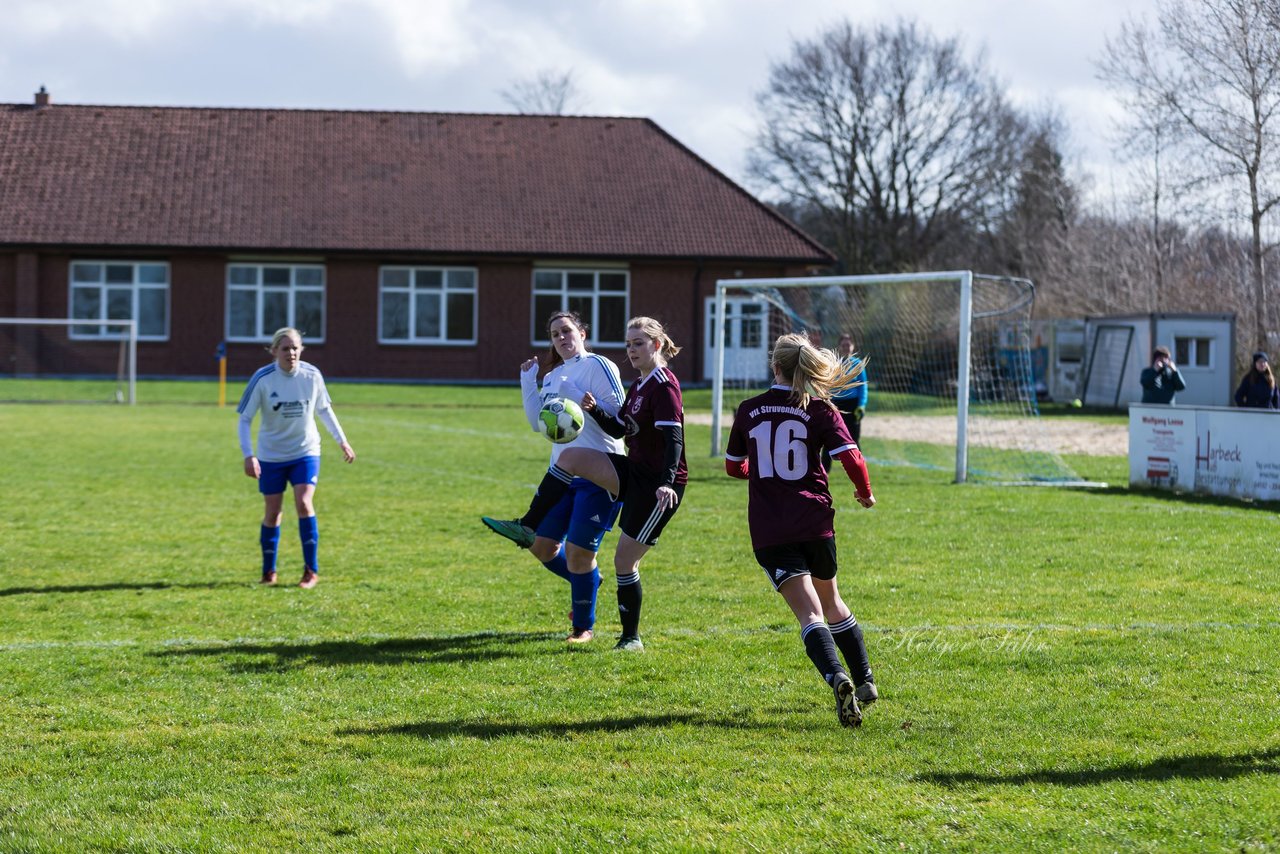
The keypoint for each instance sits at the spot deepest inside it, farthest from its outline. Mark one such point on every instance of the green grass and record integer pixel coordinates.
(1060, 669)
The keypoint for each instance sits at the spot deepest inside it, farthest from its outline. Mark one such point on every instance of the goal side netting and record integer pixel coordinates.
(56, 360)
(949, 374)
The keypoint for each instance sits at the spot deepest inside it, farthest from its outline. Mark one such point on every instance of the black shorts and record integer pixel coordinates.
(784, 562)
(640, 519)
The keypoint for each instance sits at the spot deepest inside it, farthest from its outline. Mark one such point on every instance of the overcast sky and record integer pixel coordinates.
(693, 66)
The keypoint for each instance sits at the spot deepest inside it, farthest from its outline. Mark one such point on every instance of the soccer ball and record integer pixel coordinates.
(561, 420)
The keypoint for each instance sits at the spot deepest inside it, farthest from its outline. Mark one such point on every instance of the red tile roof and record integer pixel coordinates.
(267, 179)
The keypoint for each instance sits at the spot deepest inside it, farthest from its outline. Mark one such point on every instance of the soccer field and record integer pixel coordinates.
(1059, 669)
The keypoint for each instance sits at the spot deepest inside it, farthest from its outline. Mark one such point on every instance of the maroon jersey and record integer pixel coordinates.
(788, 497)
(653, 402)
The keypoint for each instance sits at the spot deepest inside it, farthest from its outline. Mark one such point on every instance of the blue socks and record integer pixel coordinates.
(269, 539)
(584, 598)
(559, 565)
(309, 533)
(582, 589)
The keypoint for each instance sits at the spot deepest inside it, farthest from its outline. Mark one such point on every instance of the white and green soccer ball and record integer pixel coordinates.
(561, 420)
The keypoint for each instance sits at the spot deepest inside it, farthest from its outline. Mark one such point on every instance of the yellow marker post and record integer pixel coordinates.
(222, 374)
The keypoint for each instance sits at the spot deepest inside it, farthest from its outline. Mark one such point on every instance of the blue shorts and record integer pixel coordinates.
(584, 515)
(297, 472)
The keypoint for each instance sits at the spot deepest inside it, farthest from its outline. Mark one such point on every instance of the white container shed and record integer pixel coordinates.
(1118, 348)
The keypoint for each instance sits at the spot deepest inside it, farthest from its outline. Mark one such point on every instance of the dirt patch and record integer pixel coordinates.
(1075, 436)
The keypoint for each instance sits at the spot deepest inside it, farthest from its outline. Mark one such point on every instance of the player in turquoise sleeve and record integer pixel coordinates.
(290, 394)
(851, 402)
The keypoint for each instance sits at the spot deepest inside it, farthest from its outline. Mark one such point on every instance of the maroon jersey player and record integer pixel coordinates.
(777, 443)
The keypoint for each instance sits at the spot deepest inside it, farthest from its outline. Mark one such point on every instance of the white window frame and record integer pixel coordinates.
(1193, 350)
(592, 319)
(134, 285)
(259, 289)
(447, 286)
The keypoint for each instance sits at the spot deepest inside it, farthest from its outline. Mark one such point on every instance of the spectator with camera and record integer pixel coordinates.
(1161, 382)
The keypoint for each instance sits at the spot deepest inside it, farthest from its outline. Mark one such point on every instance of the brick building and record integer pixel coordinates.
(417, 246)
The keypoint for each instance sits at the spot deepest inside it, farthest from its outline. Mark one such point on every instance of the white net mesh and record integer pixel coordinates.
(910, 333)
(57, 360)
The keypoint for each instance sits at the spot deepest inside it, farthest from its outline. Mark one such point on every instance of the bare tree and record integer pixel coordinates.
(1213, 67)
(547, 92)
(889, 137)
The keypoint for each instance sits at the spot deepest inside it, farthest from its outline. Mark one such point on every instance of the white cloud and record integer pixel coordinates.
(694, 66)
(429, 35)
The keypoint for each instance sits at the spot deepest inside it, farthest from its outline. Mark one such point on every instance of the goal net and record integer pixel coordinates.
(949, 376)
(57, 360)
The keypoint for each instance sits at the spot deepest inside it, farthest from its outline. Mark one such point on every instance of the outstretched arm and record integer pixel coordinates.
(608, 423)
(856, 468)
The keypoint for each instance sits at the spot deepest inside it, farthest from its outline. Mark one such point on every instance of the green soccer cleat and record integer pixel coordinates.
(847, 702)
(511, 529)
(629, 643)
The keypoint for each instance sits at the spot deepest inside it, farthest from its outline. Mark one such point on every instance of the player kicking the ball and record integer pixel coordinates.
(567, 538)
(776, 443)
(650, 480)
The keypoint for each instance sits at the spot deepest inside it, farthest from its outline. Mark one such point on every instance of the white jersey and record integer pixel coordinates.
(289, 405)
(570, 379)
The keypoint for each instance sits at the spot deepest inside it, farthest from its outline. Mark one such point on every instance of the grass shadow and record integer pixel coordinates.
(555, 729)
(1183, 498)
(1196, 767)
(102, 588)
(482, 646)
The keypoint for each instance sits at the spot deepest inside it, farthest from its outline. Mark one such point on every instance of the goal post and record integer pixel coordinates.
(948, 365)
(102, 355)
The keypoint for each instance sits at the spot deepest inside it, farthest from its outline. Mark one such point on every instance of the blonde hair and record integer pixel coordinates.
(667, 348)
(281, 333)
(813, 372)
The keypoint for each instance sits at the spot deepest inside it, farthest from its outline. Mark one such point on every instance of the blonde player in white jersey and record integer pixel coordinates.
(290, 394)
(567, 540)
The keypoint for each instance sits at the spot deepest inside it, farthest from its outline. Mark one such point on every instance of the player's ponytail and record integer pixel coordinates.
(813, 372)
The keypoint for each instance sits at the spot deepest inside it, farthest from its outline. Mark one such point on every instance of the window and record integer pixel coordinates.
(752, 326)
(262, 298)
(427, 305)
(1196, 352)
(598, 296)
(120, 290)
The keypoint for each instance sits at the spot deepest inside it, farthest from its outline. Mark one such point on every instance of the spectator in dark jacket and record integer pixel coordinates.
(1161, 381)
(1258, 388)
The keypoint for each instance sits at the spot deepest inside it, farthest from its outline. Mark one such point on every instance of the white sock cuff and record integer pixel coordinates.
(804, 633)
(844, 625)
